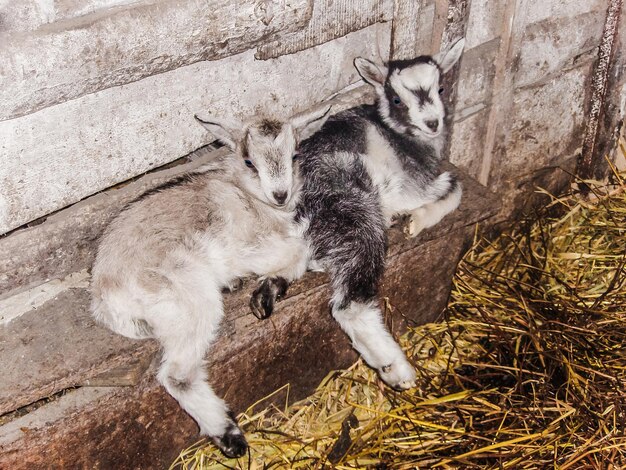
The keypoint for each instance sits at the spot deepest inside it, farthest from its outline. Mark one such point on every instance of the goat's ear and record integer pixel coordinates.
(447, 59)
(227, 131)
(307, 124)
(373, 74)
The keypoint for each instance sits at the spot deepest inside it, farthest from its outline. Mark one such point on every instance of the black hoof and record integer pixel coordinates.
(232, 444)
(264, 296)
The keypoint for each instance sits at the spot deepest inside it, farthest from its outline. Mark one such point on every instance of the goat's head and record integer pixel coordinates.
(409, 91)
(267, 151)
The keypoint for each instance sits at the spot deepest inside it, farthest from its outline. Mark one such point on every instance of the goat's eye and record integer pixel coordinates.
(441, 91)
(248, 163)
(397, 101)
(294, 158)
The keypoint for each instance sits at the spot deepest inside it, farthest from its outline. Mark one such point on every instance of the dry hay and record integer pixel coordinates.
(527, 371)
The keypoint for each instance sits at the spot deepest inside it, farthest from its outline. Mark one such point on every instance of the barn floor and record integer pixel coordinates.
(528, 371)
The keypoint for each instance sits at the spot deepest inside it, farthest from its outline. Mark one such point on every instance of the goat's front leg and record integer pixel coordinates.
(448, 191)
(265, 296)
(274, 287)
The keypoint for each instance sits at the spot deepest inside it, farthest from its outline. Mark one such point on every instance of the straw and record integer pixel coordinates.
(528, 370)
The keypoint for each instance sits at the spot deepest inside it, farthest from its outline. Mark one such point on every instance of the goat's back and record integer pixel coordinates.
(196, 233)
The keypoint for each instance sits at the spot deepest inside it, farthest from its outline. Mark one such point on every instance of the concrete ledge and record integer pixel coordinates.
(64, 153)
(69, 237)
(129, 426)
(330, 20)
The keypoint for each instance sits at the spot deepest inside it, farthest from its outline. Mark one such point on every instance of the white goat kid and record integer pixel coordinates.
(162, 263)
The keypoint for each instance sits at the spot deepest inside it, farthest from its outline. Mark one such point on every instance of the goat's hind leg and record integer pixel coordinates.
(363, 323)
(185, 338)
(356, 266)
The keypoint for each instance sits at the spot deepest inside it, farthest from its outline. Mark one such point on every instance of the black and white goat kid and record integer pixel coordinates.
(162, 263)
(365, 166)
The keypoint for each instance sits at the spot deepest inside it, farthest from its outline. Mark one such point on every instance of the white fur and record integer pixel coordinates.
(397, 192)
(364, 326)
(163, 261)
(431, 213)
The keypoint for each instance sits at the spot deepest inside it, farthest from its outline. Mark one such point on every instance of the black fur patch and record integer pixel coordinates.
(423, 96)
(403, 64)
(264, 297)
(418, 158)
(346, 228)
(398, 112)
(454, 185)
(233, 443)
(280, 286)
(344, 132)
(180, 385)
(173, 183)
(270, 127)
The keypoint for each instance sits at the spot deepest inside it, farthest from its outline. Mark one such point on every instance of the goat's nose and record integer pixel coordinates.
(280, 196)
(432, 125)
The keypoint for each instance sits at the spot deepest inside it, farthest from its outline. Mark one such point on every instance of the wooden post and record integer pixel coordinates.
(593, 152)
(405, 28)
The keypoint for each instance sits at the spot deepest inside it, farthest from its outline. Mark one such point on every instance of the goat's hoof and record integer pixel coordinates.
(414, 228)
(262, 301)
(233, 286)
(416, 223)
(399, 375)
(232, 444)
(264, 296)
(257, 308)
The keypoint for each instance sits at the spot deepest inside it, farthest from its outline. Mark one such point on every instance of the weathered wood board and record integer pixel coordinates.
(251, 359)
